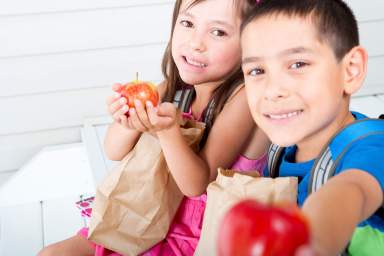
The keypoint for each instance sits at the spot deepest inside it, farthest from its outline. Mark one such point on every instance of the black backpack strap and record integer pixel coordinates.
(329, 158)
(183, 98)
(274, 159)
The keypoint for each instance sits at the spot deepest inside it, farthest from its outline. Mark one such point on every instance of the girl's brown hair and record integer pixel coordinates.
(173, 80)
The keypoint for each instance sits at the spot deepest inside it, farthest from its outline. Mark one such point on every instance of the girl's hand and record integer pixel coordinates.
(117, 106)
(152, 119)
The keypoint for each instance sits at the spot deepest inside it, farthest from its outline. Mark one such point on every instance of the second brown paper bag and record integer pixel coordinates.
(136, 202)
(229, 188)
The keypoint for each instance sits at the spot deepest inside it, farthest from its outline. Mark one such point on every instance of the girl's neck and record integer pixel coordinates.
(203, 95)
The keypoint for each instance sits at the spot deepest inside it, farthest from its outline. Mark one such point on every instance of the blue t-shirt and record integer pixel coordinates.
(366, 154)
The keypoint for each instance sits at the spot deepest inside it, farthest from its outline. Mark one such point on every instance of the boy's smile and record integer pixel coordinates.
(294, 83)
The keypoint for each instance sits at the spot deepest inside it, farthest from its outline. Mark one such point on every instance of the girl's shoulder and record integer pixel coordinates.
(236, 93)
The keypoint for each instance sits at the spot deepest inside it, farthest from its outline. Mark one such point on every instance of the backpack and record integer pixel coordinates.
(324, 166)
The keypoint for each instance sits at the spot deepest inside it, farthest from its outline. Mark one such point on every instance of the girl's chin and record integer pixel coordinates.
(192, 80)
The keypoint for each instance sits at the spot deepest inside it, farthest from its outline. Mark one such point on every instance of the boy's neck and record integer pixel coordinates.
(310, 148)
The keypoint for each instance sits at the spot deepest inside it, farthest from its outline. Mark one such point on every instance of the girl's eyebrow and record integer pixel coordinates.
(222, 23)
(186, 13)
(219, 22)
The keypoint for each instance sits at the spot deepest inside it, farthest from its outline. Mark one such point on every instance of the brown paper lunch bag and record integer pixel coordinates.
(135, 204)
(229, 188)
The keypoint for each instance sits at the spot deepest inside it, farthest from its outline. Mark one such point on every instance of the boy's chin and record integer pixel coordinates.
(282, 141)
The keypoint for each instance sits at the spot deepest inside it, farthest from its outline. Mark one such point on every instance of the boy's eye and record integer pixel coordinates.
(298, 65)
(218, 32)
(186, 23)
(256, 72)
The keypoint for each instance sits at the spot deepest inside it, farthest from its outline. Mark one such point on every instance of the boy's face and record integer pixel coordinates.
(294, 83)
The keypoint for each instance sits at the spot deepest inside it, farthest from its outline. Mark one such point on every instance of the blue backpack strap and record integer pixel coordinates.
(325, 165)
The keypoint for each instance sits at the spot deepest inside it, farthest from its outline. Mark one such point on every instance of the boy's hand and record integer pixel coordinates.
(305, 250)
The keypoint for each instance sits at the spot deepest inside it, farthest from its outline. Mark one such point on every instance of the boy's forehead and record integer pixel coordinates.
(273, 34)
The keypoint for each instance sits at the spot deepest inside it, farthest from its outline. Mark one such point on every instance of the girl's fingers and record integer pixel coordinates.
(118, 106)
(152, 114)
(117, 87)
(136, 123)
(167, 109)
(112, 98)
(142, 114)
(124, 121)
(160, 121)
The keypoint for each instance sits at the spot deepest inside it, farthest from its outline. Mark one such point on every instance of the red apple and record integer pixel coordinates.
(250, 228)
(139, 90)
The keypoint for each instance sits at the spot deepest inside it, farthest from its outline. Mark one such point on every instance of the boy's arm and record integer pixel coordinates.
(335, 210)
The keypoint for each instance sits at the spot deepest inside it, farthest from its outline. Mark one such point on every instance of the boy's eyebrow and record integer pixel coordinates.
(286, 52)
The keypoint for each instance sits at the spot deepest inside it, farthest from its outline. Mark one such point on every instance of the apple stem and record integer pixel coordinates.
(137, 77)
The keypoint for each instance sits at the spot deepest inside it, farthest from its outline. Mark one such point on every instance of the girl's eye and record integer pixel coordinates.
(298, 65)
(218, 32)
(186, 23)
(256, 72)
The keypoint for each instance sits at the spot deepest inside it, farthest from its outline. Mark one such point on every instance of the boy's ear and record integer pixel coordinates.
(355, 69)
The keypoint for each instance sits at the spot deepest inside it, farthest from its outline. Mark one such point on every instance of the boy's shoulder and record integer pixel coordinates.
(360, 145)
(357, 146)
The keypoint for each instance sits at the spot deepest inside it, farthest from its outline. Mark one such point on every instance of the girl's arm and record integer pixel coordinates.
(120, 137)
(227, 139)
(335, 210)
(119, 140)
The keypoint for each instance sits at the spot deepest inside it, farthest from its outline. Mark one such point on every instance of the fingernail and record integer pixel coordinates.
(122, 101)
(137, 102)
(131, 111)
(124, 109)
(149, 104)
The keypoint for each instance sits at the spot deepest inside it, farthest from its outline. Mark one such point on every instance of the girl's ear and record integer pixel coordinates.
(355, 69)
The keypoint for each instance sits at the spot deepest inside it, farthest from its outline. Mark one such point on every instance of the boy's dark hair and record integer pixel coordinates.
(335, 22)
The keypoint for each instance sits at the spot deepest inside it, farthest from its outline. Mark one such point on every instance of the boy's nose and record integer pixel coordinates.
(275, 90)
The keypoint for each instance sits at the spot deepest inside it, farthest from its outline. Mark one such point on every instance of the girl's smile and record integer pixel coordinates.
(206, 45)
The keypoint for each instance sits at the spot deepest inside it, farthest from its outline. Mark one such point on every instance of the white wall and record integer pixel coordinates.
(59, 58)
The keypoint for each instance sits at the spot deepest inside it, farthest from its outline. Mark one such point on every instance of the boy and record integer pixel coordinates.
(302, 62)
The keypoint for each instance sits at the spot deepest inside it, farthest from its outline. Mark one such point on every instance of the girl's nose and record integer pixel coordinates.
(196, 42)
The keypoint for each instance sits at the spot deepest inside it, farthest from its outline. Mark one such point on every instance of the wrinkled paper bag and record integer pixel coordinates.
(229, 188)
(136, 202)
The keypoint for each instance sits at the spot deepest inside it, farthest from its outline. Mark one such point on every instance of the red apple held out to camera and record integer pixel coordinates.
(139, 90)
(250, 228)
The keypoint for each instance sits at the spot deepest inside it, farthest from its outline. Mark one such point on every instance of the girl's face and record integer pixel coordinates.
(206, 41)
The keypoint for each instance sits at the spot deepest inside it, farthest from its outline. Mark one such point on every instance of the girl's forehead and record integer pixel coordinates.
(223, 9)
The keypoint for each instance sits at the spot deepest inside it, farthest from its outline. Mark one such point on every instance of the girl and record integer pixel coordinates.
(203, 54)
